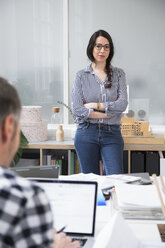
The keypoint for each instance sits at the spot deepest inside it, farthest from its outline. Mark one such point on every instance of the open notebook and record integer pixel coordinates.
(74, 206)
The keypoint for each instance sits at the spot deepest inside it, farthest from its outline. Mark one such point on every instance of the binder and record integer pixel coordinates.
(125, 161)
(152, 163)
(64, 165)
(137, 162)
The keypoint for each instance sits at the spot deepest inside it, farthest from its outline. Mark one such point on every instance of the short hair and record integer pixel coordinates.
(92, 43)
(9, 101)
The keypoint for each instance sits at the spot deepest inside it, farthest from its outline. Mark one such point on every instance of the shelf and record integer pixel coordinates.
(50, 144)
(151, 143)
(147, 140)
(65, 145)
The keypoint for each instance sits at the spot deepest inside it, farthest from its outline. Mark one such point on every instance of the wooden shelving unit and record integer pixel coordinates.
(151, 143)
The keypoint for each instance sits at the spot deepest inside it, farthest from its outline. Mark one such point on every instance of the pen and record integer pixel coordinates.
(62, 229)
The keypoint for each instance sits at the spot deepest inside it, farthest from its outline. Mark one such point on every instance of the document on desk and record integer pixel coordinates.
(104, 182)
(81, 176)
(138, 196)
(139, 201)
(118, 234)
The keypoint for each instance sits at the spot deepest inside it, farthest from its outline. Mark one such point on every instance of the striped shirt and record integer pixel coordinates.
(88, 88)
(26, 219)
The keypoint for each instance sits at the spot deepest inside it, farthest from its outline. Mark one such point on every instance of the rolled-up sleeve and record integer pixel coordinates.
(78, 109)
(118, 106)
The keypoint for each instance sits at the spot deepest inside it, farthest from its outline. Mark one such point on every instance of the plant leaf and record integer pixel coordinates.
(69, 108)
(23, 142)
(18, 155)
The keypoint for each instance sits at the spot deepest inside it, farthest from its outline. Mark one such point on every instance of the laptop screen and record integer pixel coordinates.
(37, 171)
(73, 204)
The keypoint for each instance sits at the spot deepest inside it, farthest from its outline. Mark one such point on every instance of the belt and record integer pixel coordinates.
(99, 124)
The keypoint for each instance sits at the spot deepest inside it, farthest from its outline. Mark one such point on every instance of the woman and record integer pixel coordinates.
(99, 97)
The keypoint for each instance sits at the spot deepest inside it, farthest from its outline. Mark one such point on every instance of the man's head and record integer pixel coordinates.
(10, 109)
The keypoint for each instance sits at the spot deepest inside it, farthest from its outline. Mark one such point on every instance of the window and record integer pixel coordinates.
(36, 52)
(31, 48)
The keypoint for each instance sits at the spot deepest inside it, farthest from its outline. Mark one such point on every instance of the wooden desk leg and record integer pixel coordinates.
(41, 160)
(129, 161)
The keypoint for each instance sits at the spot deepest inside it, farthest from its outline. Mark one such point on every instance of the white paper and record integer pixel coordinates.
(123, 178)
(149, 245)
(116, 234)
(81, 176)
(103, 181)
(138, 196)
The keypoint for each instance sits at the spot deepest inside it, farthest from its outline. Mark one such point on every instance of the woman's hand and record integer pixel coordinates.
(63, 241)
(91, 105)
(94, 105)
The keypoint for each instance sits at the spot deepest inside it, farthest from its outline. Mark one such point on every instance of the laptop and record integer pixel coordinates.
(144, 178)
(37, 171)
(73, 205)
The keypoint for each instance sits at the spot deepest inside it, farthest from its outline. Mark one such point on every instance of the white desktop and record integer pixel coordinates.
(145, 231)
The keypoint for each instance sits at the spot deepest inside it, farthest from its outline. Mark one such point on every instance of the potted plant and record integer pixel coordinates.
(69, 109)
(23, 142)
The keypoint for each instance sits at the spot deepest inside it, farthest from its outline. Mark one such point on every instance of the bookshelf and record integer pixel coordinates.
(154, 143)
(65, 146)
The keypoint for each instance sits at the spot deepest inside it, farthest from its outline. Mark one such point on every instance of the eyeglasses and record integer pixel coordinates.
(100, 46)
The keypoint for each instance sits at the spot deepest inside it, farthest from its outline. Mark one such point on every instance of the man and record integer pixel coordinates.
(25, 215)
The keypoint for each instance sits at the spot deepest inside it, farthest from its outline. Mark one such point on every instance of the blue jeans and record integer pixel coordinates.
(95, 140)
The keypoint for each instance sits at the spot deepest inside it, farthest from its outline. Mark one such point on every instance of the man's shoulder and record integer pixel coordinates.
(16, 185)
(26, 216)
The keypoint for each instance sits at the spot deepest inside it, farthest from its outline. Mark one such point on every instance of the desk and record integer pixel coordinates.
(145, 231)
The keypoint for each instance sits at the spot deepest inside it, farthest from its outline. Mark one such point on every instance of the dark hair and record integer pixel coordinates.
(91, 45)
(9, 101)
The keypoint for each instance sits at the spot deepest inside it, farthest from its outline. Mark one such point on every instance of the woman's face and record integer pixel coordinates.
(101, 49)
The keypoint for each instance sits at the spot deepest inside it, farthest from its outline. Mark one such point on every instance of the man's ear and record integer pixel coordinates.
(8, 128)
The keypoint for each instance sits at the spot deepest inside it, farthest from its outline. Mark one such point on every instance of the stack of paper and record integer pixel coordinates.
(139, 201)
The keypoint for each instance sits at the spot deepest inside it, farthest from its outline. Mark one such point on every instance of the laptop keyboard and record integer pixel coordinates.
(82, 241)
